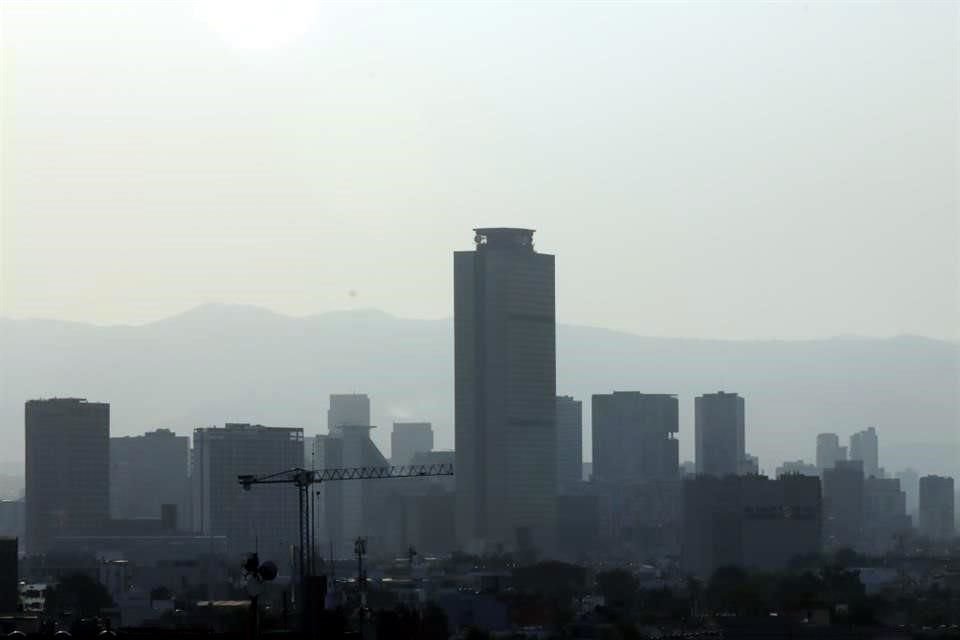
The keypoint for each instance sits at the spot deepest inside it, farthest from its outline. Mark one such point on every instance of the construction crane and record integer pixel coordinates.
(303, 479)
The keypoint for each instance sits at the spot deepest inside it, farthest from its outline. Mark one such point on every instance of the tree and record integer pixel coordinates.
(618, 587)
(79, 593)
(433, 624)
(553, 580)
(733, 590)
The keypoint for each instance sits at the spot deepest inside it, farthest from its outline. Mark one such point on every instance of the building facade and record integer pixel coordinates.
(936, 509)
(505, 392)
(843, 502)
(569, 443)
(348, 409)
(67, 469)
(751, 522)
(865, 447)
(910, 484)
(829, 451)
(720, 439)
(884, 514)
(265, 518)
(408, 439)
(149, 471)
(634, 437)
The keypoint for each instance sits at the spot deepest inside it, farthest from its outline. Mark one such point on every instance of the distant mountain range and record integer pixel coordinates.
(221, 362)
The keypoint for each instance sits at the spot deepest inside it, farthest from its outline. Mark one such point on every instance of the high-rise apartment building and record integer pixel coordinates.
(148, 471)
(719, 434)
(408, 439)
(569, 443)
(936, 511)
(829, 451)
(348, 409)
(865, 447)
(263, 518)
(505, 392)
(67, 469)
(634, 437)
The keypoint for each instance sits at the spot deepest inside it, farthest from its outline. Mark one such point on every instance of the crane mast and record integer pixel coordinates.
(304, 479)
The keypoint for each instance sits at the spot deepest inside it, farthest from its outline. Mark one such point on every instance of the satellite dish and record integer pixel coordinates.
(268, 571)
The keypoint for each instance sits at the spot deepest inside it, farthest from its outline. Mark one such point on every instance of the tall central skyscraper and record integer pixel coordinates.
(505, 386)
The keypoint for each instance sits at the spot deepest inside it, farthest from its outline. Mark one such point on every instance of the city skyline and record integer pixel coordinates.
(411, 320)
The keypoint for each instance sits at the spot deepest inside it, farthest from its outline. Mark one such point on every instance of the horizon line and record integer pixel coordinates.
(368, 310)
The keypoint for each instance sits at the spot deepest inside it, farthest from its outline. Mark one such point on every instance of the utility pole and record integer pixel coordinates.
(360, 549)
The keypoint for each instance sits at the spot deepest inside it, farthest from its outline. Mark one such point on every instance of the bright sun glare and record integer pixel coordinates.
(259, 24)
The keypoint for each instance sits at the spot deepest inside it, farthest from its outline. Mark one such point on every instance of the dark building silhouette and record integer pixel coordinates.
(12, 517)
(797, 467)
(505, 392)
(579, 520)
(263, 518)
(634, 437)
(569, 443)
(408, 439)
(865, 447)
(829, 451)
(843, 502)
(936, 511)
(149, 471)
(720, 439)
(884, 514)
(67, 469)
(749, 521)
(8, 576)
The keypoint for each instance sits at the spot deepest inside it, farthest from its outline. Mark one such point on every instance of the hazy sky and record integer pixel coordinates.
(714, 170)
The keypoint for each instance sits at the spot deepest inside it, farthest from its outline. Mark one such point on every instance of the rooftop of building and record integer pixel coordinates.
(503, 237)
(62, 401)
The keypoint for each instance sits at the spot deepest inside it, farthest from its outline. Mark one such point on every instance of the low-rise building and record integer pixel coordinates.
(749, 521)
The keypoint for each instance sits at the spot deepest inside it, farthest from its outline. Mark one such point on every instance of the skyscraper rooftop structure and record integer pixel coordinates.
(67, 469)
(505, 392)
